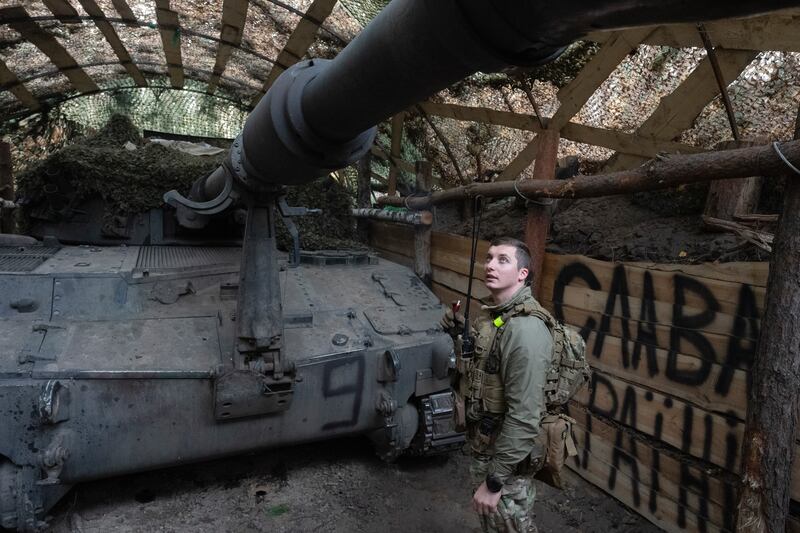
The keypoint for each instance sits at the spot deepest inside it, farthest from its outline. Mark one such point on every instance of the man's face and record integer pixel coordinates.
(502, 272)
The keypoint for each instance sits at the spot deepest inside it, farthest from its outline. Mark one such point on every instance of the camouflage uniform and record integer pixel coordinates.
(503, 390)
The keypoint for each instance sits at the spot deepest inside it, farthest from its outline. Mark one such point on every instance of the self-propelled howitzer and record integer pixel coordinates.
(121, 359)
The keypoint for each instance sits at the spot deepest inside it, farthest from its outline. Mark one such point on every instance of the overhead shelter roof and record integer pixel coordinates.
(644, 91)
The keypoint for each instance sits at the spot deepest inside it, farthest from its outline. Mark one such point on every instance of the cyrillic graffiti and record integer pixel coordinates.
(710, 438)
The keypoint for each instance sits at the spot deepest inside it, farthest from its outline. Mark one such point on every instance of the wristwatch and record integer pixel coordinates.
(494, 483)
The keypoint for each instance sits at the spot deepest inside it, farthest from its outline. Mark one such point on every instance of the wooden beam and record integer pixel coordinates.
(397, 139)
(108, 31)
(9, 80)
(615, 140)
(125, 11)
(520, 162)
(20, 21)
(234, 15)
(776, 31)
(299, 42)
(63, 10)
(537, 223)
(402, 164)
(577, 92)
(678, 110)
(170, 30)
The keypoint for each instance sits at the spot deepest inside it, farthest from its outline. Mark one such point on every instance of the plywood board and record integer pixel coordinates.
(724, 284)
(722, 389)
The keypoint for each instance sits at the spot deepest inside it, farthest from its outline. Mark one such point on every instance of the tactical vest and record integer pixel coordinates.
(481, 385)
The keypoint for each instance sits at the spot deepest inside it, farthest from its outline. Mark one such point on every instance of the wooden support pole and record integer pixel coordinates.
(537, 223)
(364, 198)
(662, 173)
(397, 139)
(422, 234)
(6, 188)
(728, 198)
(773, 404)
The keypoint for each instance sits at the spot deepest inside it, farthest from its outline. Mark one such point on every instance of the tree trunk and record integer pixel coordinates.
(661, 173)
(772, 409)
(774, 401)
(727, 198)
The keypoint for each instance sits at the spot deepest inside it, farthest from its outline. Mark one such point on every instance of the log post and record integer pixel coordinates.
(397, 139)
(727, 198)
(537, 222)
(773, 403)
(422, 233)
(7, 224)
(364, 198)
(658, 174)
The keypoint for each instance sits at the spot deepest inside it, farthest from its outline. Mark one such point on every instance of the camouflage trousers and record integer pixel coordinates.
(513, 513)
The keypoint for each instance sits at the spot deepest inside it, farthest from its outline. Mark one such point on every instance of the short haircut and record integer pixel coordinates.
(523, 254)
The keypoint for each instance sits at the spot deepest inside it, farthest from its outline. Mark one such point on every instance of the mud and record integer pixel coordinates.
(336, 486)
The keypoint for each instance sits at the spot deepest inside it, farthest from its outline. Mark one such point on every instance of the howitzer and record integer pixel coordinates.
(122, 359)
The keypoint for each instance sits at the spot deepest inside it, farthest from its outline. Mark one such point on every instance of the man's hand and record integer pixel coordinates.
(452, 322)
(484, 501)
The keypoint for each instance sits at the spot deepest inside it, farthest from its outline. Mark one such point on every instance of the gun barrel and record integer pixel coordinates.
(320, 115)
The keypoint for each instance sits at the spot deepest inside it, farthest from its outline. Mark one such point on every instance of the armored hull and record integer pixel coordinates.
(122, 359)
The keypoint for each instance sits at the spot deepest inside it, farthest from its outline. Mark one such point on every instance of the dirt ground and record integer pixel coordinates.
(336, 486)
(665, 227)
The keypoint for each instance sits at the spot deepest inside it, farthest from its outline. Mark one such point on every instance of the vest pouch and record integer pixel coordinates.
(558, 445)
(493, 399)
(482, 434)
(475, 384)
(459, 412)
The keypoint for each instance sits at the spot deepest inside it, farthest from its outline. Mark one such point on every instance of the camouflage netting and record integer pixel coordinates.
(128, 180)
(333, 229)
(133, 179)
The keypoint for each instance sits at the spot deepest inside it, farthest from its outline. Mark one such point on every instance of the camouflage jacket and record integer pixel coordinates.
(525, 351)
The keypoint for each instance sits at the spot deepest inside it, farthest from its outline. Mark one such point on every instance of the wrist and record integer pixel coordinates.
(493, 483)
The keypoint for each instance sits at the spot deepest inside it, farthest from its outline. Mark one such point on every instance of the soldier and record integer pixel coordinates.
(502, 390)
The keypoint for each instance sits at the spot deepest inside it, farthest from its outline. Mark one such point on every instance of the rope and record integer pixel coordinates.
(783, 158)
(537, 202)
(415, 195)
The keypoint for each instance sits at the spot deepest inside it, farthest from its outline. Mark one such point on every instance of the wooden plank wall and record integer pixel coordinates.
(671, 346)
